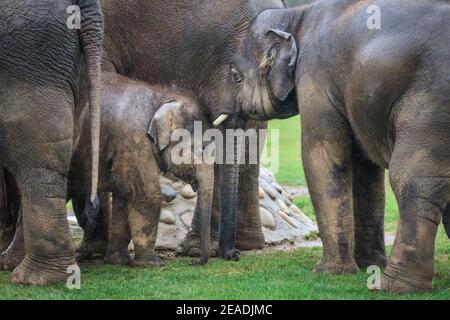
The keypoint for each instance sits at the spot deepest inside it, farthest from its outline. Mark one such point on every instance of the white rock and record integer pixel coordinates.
(267, 219)
(167, 217)
(296, 210)
(262, 194)
(187, 218)
(269, 190)
(187, 192)
(277, 187)
(282, 206)
(288, 219)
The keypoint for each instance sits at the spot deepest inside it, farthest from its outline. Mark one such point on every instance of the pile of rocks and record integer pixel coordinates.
(282, 221)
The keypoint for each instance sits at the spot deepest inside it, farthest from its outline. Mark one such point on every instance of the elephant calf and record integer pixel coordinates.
(137, 122)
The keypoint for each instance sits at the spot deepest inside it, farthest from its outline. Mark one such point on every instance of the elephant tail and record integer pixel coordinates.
(91, 34)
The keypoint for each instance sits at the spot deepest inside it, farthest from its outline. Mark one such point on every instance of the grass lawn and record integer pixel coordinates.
(280, 275)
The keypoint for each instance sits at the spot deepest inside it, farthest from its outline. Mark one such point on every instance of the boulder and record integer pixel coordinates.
(282, 221)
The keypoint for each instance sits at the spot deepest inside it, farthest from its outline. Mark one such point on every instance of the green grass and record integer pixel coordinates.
(280, 275)
(290, 167)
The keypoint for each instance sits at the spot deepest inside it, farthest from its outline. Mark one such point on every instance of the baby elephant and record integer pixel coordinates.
(137, 123)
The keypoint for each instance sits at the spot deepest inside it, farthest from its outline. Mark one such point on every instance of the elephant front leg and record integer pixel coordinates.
(327, 158)
(143, 219)
(368, 208)
(48, 243)
(191, 244)
(119, 233)
(249, 234)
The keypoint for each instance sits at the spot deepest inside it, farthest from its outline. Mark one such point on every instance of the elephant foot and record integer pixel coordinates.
(190, 247)
(118, 258)
(10, 259)
(375, 259)
(233, 255)
(41, 274)
(92, 249)
(147, 261)
(250, 240)
(399, 283)
(336, 267)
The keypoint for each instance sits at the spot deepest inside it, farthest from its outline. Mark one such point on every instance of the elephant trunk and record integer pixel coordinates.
(91, 35)
(205, 182)
(229, 201)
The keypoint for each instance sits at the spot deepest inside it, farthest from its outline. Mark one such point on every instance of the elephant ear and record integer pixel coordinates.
(281, 63)
(164, 123)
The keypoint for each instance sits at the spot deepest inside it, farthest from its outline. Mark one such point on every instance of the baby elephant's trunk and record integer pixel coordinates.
(205, 182)
(91, 35)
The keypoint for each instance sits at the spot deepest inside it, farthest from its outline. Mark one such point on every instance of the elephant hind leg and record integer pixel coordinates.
(9, 208)
(15, 253)
(368, 208)
(95, 243)
(48, 243)
(423, 194)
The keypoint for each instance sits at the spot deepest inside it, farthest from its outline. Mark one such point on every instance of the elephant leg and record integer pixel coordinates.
(9, 209)
(15, 253)
(119, 233)
(48, 243)
(191, 244)
(327, 158)
(95, 243)
(6, 236)
(368, 208)
(249, 234)
(422, 187)
(143, 219)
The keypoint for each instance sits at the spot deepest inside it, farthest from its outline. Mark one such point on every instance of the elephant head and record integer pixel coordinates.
(263, 71)
(175, 120)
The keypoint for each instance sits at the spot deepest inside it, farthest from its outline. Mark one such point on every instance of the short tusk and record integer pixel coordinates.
(220, 120)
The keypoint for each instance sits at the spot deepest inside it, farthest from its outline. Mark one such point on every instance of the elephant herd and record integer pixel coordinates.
(92, 110)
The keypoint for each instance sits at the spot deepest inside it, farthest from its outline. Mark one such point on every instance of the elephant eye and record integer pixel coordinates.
(236, 76)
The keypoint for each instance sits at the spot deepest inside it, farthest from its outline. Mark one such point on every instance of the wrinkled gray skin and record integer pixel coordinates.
(191, 45)
(47, 72)
(370, 100)
(137, 122)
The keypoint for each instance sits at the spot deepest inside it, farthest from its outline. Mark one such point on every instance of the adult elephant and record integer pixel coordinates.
(190, 45)
(374, 95)
(47, 73)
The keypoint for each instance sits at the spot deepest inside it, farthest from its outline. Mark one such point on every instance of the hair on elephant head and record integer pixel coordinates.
(263, 70)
